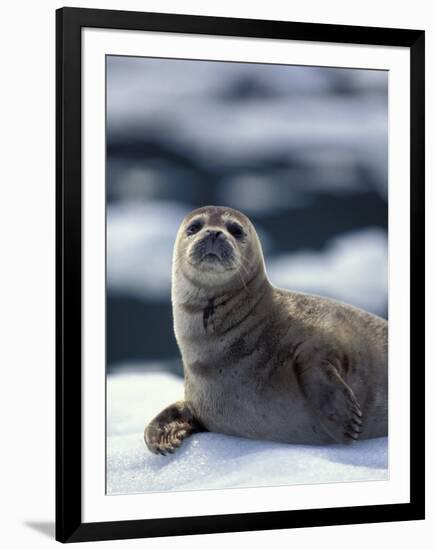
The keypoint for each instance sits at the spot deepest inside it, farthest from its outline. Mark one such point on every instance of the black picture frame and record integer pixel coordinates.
(69, 22)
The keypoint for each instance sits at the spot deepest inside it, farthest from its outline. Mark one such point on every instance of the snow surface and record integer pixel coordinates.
(213, 461)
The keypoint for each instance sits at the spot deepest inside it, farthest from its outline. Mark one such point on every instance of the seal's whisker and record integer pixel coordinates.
(240, 275)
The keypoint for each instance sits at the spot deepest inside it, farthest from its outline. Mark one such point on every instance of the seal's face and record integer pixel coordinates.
(214, 243)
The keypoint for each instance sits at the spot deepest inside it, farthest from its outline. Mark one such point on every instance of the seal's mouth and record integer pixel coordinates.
(211, 250)
(211, 257)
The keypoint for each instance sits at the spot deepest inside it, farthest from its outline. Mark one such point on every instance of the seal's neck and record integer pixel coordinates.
(188, 293)
(203, 312)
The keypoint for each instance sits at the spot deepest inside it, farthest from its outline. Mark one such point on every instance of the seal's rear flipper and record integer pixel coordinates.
(332, 400)
(170, 427)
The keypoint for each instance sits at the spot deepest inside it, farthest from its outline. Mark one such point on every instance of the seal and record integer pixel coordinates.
(262, 362)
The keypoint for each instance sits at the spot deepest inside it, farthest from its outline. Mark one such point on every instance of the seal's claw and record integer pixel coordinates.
(164, 439)
(166, 432)
(333, 401)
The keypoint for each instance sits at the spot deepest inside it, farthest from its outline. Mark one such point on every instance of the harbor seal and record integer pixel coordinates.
(262, 362)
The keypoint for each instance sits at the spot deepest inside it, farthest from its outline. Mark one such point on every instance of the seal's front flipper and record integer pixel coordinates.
(170, 427)
(333, 401)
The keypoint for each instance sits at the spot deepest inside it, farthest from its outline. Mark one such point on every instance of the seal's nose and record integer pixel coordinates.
(213, 234)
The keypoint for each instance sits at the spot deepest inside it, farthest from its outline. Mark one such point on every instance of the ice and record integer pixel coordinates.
(353, 268)
(135, 233)
(213, 461)
(179, 102)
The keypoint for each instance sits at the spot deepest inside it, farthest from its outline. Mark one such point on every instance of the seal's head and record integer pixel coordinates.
(217, 245)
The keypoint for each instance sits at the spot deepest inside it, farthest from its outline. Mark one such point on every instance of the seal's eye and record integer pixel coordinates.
(235, 229)
(194, 227)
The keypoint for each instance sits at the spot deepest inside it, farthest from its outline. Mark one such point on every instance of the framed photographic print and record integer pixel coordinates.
(240, 274)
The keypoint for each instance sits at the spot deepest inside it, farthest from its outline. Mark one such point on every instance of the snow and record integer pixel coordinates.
(213, 461)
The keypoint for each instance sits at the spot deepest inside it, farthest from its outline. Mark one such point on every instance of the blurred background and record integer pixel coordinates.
(301, 150)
